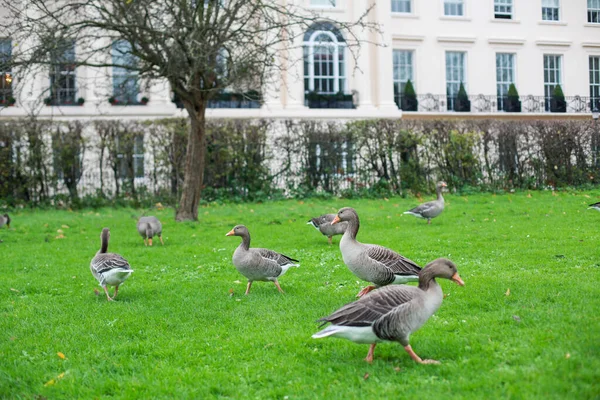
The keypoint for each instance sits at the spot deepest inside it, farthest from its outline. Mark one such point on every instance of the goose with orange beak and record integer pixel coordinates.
(392, 313)
(258, 264)
(370, 262)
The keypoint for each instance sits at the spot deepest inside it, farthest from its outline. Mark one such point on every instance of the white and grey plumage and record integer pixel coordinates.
(595, 206)
(258, 264)
(431, 209)
(371, 262)
(109, 269)
(5, 220)
(323, 225)
(148, 227)
(392, 313)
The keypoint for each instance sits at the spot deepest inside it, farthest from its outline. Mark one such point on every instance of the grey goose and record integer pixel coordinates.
(392, 313)
(109, 269)
(148, 227)
(258, 264)
(5, 220)
(371, 262)
(431, 209)
(323, 225)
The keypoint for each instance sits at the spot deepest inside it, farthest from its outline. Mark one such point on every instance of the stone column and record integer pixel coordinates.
(383, 77)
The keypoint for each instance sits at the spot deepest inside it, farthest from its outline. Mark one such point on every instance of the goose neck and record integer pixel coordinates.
(426, 279)
(245, 241)
(104, 247)
(352, 228)
(439, 193)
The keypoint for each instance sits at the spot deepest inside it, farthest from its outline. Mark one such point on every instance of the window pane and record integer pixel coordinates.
(453, 7)
(5, 69)
(324, 62)
(505, 75)
(595, 82)
(322, 3)
(403, 6)
(125, 80)
(62, 73)
(455, 75)
(552, 76)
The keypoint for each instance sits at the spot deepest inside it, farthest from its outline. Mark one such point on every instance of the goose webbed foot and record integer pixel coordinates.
(365, 291)
(418, 359)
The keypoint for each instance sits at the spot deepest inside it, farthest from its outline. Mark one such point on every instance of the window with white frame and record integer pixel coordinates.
(403, 71)
(324, 59)
(63, 88)
(503, 9)
(550, 10)
(454, 8)
(6, 93)
(505, 75)
(322, 3)
(595, 82)
(130, 152)
(402, 6)
(455, 75)
(593, 11)
(552, 76)
(125, 79)
(138, 156)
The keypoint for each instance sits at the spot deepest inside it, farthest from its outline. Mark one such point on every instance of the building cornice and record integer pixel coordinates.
(554, 43)
(456, 39)
(510, 41)
(590, 44)
(409, 38)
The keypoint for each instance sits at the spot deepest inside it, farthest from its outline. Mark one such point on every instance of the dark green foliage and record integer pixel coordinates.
(512, 94)
(557, 93)
(409, 98)
(259, 160)
(462, 93)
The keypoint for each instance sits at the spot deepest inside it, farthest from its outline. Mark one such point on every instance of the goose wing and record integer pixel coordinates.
(424, 208)
(107, 261)
(397, 263)
(371, 307)
(279, 258)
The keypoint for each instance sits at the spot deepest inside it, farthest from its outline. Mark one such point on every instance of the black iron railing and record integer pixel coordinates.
(480, 103)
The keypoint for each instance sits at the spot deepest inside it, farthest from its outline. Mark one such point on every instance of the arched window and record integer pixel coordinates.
(324, 59)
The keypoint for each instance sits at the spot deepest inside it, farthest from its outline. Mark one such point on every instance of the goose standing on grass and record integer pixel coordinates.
(109, 268)
(371, 262)
(392, 313)
(149, 227)
(258, 264)
(431, 209)
(4, 220)
(595, 206)
(323, 225)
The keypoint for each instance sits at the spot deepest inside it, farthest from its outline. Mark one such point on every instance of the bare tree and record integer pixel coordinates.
(198, 47)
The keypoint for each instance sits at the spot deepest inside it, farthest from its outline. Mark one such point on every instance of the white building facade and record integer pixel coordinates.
(485, 45)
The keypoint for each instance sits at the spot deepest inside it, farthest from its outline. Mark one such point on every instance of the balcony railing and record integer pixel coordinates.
(439, 103)
(336, 100)
(251, 99)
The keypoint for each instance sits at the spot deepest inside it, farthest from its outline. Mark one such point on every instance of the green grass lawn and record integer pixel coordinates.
(526, 325)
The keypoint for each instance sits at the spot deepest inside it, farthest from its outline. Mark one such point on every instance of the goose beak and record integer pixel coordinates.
(150, 241)
(457, 279)
(444, 184)
(230, 233)
(335, 220)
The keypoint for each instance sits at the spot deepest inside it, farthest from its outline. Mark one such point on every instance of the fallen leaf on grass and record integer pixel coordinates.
(507, 292)
(96, 292)
(366, 376)
(238, 282)
(517, 318)
(568, 355)
(61, 355)
(65, 226)
(231, 292)
(61, 236)
(15, 290)
(397, 369)
(53, 381)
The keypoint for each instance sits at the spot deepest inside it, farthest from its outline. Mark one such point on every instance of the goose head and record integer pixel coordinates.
(238, 230)
(440, 185)
(444, 268)
(345, 214)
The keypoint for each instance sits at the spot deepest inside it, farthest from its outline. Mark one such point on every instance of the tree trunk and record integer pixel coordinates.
(194, 165)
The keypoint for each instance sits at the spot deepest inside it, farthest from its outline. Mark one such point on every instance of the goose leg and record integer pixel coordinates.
(365, 291)
(116, 291)
(161, 241)
(278, 287)
(106, 291)
(418, 359)
(248, 287)
(329, 238)
(369, 358)
(145, 244)
(428, 221)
